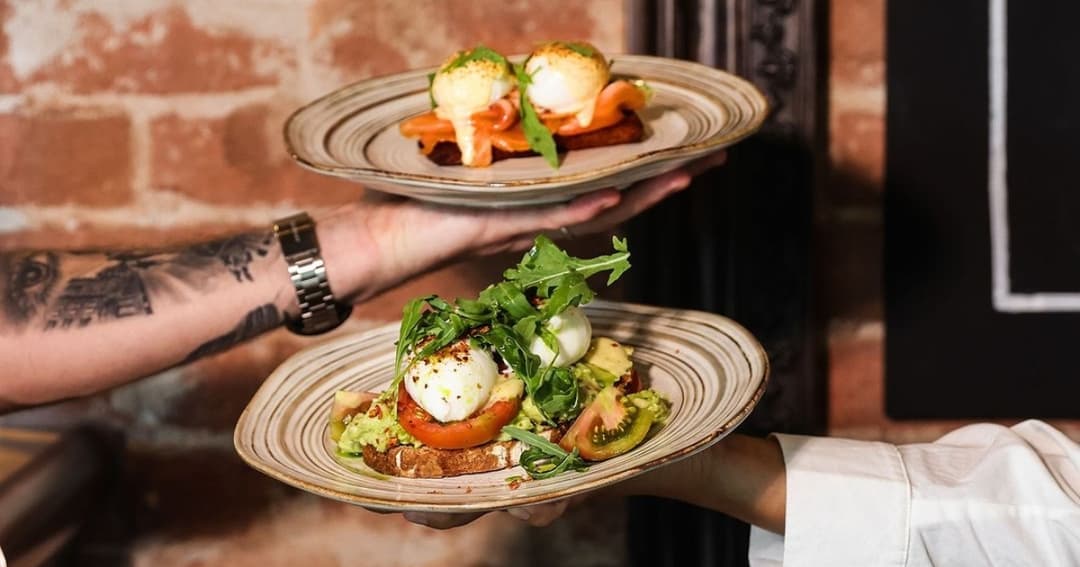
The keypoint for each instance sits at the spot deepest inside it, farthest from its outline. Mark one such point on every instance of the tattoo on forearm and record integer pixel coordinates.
(256, 322)
(113, 293)
(191, 264)
(30, 279)
(122, 288)
(236, 253)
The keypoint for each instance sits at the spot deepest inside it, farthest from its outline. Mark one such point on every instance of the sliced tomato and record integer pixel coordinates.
(347, 404)
(478, 429)
(608, 427)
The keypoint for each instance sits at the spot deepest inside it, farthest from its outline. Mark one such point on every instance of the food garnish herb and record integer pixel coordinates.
(538, 135)
(430, 91)
(478, 53)
(579, 48)
(544, 459)
(505, 318)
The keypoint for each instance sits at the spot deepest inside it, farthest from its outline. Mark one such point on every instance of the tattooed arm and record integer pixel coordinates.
(77, 323)
(73, 323)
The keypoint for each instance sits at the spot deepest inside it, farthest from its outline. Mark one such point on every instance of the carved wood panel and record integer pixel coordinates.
(739, 242)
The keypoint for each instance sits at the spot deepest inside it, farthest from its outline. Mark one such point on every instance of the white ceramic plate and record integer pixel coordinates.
(712, 370)
(353, 133)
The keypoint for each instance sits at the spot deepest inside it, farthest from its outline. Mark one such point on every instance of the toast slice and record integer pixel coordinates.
(427, 462)
(629, 129)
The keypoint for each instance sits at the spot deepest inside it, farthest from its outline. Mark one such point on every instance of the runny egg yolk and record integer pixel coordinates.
(454, 382)
(566, 81)
(465, 90)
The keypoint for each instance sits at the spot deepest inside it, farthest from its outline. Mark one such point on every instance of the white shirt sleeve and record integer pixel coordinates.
(981, 495)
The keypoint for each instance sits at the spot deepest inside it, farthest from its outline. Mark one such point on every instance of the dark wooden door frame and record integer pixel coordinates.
(740, 242)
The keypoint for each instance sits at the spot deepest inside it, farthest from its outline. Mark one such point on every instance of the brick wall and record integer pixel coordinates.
(148, 122)
(851, 232)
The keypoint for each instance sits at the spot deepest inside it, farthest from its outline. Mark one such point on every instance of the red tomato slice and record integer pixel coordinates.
(478, 429)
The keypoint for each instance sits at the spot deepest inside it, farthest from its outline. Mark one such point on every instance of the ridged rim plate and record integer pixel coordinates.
(353, 133)
(712, 370)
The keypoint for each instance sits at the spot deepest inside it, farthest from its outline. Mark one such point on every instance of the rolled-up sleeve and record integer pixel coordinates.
(838, 490)
(982, 495)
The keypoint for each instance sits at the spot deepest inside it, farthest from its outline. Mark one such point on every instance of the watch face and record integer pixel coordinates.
(297, 236)
(319, 312)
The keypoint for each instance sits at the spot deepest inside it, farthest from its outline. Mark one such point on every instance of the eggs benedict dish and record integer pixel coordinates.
(514, 376)
(485, 108)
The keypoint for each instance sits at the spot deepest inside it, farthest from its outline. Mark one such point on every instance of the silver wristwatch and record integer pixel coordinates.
(319, 312)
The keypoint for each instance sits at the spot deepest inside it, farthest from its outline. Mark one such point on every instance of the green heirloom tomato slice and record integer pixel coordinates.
(610, 426)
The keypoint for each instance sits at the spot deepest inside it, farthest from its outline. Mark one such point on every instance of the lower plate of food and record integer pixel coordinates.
(488, 130)
(531, 392)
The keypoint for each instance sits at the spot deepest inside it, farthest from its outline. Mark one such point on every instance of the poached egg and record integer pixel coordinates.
(461, 90)
(454, 382)
(573, 333)
(566, 79)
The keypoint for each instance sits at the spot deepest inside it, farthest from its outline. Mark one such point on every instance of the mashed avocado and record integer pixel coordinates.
(376, 428)
(605, 362)
(652, 401)
(522, 421)
(592, 378)
(609, 356)
(530, 411)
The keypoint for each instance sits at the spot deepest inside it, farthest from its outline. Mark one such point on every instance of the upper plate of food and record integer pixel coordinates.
(485, 130)
(529, 392)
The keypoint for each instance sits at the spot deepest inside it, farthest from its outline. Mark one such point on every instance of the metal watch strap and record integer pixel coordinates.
(319, 312)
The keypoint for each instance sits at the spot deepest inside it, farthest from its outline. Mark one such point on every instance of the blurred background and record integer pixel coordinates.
(149, 122)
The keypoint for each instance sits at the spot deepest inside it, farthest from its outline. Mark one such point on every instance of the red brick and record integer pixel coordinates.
(184, 59)
(7, 77)
(857, 152)
(65, 156)
(89, 236)
(373, 45)
(238, 159)
(856, 384)
(858, 31)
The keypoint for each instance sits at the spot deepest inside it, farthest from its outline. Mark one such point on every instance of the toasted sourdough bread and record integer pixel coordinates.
(426, 462)
(629, 129)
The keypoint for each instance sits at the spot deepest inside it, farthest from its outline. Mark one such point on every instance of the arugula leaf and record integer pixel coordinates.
(526, 327)
(554, 390)
(430, 91)
(546, 265)
(580, 48)
(513, 321)
(544, 459)
(510, 298)
(474, 309)
(558, 395)
(478, 53)
(571, 291)
(538, 135)
(550, 340)
(410, 318)
(516, 354)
